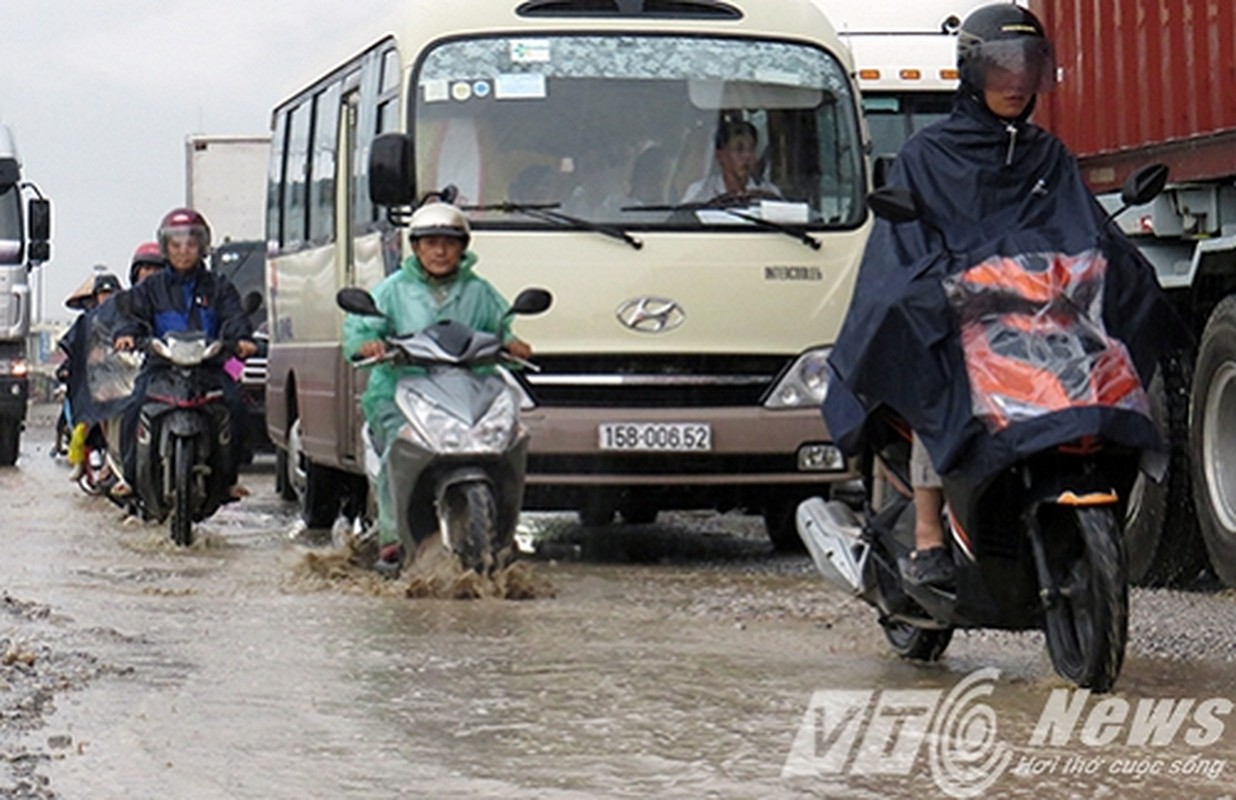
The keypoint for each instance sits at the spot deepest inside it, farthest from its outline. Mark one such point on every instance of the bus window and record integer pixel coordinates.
(274, 182)
(322, 166)
(296, 163)
(578, 111)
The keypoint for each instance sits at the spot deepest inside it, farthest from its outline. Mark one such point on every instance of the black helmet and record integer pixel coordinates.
(1005, 40)
(106, 282)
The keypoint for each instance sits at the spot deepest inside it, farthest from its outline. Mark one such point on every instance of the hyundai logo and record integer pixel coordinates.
(651, 314)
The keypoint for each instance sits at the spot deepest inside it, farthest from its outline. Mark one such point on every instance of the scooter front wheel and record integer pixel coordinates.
(1087, 623)
(182, 481)
(471, 517)
(916, 644)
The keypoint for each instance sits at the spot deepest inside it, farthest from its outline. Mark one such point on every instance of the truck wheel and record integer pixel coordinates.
(1161, 536)
(10, 441)
(1213, 439)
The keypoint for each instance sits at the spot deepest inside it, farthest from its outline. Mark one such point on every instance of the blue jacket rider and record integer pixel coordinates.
(183, 297)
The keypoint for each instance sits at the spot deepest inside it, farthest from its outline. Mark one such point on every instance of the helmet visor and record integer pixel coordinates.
(1026, 65)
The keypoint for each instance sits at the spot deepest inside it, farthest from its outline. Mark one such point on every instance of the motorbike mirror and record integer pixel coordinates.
(357, 301)
(1144, 185)
(895, 204)
(532, 301)
(252, 302)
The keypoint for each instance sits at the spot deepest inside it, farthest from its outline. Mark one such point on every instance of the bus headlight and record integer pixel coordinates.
(805, 384)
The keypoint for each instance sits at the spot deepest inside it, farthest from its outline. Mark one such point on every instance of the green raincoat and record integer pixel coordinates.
(411, 302)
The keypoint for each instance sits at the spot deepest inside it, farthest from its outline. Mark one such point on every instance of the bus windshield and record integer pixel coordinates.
(640, 131)
(10, 225)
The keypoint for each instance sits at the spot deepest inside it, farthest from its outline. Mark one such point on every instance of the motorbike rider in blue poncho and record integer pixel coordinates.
(991, 184)
(437, 282)
(184, 297)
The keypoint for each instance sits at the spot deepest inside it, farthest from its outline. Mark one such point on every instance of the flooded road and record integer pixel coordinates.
(682, 660)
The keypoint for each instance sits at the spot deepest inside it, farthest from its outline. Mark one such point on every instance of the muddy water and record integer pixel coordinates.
(678, 661)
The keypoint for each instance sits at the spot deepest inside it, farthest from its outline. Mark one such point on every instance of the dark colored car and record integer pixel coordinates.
(244, 263)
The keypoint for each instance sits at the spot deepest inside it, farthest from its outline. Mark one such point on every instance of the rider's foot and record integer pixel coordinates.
(121, 488)
(930, 567)
(390, 560)
(237, 492)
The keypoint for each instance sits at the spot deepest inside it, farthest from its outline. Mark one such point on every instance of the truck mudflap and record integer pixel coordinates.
(832, 534)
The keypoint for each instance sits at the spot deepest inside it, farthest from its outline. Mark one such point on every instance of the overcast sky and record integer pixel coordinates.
(100, 95)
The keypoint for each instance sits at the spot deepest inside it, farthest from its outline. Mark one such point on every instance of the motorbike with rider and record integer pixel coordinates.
(424, 391)
(178, 432)
(989, 375)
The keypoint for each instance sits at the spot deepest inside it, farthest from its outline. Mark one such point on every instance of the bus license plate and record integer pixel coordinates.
(656, 436)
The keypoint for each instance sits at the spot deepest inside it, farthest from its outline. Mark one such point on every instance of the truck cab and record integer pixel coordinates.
(24, 235)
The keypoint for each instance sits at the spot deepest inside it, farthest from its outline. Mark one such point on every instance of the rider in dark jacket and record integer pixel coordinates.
(185, 297)
(992, 185)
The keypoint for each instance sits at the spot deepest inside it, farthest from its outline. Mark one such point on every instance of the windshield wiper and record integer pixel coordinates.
(727, 205)
(547, 213)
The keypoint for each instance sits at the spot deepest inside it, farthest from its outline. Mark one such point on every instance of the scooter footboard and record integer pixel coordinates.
(832, 534)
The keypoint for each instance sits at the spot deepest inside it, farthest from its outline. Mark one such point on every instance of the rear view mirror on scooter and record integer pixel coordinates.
(531, 301)
(895, 204)
(1144, 185)
(357, 301)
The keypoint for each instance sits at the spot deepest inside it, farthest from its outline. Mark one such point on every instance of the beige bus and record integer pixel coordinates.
(686, 176)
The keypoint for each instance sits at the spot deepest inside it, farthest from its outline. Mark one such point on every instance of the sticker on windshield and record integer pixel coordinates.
(521, 86)
(435, 90)
(530, 51)
(461, 90)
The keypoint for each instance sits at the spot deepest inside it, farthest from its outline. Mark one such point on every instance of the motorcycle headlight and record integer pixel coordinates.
(431, 427)
(805, 384)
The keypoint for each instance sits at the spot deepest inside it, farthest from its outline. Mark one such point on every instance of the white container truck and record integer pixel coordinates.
(225, 179)
(24, 244)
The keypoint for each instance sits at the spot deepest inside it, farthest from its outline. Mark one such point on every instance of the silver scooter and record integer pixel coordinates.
(457, 467)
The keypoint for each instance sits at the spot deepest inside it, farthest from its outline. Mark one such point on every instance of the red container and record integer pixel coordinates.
(1143, 81)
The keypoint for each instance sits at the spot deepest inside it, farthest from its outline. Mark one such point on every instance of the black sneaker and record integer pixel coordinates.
(931, 567)
(390, 561)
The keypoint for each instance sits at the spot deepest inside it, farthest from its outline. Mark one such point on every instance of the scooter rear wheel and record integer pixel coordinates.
(1087, 624)
(917, 644)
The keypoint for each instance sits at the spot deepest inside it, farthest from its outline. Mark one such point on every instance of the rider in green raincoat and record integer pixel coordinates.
(436, 283)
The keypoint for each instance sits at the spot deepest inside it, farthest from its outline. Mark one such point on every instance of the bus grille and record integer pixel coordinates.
(653, 381)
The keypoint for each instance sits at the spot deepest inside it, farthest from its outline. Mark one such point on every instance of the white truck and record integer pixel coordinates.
(906, 64)
(24, 244)
(225, 180)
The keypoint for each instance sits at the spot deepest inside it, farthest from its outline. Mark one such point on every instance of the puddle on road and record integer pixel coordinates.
(672, 660)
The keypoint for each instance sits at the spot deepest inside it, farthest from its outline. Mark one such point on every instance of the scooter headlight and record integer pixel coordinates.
(432, 428)
(805, 384)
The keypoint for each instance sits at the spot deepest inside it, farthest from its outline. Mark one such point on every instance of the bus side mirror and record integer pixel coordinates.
(390, 170)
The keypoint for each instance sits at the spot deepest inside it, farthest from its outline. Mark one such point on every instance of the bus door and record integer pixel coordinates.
(345, 205)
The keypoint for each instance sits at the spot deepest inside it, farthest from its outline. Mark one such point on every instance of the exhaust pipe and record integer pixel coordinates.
(832, 533)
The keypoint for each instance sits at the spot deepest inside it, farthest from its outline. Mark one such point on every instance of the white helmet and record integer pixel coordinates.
(439, 219)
